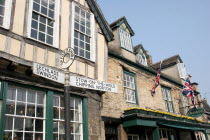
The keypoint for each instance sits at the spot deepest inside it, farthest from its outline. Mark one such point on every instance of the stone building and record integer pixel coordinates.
(133, 113)
(32, 107)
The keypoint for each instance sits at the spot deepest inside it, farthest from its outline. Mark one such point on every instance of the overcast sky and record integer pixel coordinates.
(169, 27)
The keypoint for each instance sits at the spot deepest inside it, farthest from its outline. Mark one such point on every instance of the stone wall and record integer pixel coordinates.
(115, 103)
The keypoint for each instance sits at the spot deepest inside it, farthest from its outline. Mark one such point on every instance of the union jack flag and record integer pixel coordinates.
(157, 79)
(189, 91)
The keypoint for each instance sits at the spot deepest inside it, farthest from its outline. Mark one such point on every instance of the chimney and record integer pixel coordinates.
(149, 60)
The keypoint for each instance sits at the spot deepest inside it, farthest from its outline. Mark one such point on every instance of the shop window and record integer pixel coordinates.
(110, 132)
(168, 134)
(133, 137)
(58, 118)
(142, 59)
(43, 21)
(182, 70)
(25, 114)
(125, 40)
(167, 99)
(200, 136)
(5, 13)
(83, 32)
(129, 87)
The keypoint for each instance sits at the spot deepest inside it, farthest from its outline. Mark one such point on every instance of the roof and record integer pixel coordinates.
(167, 62)
(118, 22)
(101, 20)
(138, 47)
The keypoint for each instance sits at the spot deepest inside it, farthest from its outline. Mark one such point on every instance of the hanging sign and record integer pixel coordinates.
(195, 112)
(92, 84)
(48, 73)
(67, 55)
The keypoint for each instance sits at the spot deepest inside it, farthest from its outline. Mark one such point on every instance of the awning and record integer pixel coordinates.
(180, 126)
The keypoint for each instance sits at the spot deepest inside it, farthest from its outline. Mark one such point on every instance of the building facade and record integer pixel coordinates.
(32, 108)
(133, 113)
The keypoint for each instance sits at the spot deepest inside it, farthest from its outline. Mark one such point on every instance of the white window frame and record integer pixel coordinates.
(182, 70)
(200, 135)
(92, 28)
(24, 116)
(56, 27)
(133, 135)
(125, 40)
(141, 58)
(129, 89)
(7, 14)
(168, 99)
(166, 131)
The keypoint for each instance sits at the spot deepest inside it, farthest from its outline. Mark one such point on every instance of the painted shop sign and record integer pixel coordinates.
(195, 112)
(48, 73)
(92, 84)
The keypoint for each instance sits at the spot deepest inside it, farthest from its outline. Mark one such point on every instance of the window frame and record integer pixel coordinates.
(7, 14)
(135, 84)
(56, 27)
(92, 29)
(166, 99)
(140, 59)
(133, 135)
(131, 43)
(182, 70)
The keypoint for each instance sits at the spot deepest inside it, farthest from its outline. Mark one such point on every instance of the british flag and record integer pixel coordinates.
(189, 91)
(157, 79)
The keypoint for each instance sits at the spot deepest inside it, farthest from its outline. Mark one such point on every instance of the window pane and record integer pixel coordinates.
(40, 98)
(40, 111)
(18, 124)
(34, 24)
(29, 123)
(30, 110)
(10, 107)
(42, 27)
(31, 96)
(20, 109)
(36, 7)
(50, 40)
(39, 136)
(8, 123)
(11, 94)
(33, 33)
(39, 125)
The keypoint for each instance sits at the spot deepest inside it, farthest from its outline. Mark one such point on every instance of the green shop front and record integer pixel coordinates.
(146, 124)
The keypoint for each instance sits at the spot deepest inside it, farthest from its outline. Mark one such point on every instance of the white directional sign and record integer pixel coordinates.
(48, 73)
(92, 84)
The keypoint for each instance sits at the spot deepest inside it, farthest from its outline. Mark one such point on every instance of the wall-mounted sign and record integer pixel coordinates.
(195, 112)
(67, 58)
(92, 84)
(48, 73)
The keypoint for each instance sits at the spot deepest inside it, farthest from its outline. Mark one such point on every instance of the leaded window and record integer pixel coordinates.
(142, 59)
(25, 114)
(83, 32)
(129, 88)
(58, 118)
(168, 99)
(125, 40)
(43, 24)
(5, 13)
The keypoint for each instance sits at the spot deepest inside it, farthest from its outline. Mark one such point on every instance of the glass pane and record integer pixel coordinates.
(36, 7)
(77, 137)
(55, 126)
(55, 112)
(81, 44)
(44, 10)
(2, 2)
(18, 135)
(88, 47)
(11, 94)
(7, 134)
(40, 111)
(40, 98)
(61, 127)
(42, 19)
(35, 16)
(56, 101)
(76, 42)
(34, 24)
(50, 30)
(77, 117)
(50, 40)
(77, 9)
(29, 136)
(55, 137)
(21, 95)
(38, 125)
(87, 55)
(1, 20)
(20, 109)
(29, 123)
(31, 96)
(62, 137)
(82, 37)
(33, 33)
(76, 34)
(10, 107)
(44, 3)
(41, 36)
(76, 50)
(77, 127)
(50, 22)
(76, 26)
(38, 136)
(42, 27)
(18, 124)
(82, 29)
(62, 113)
(81, 52)
(51, 13)
(8, 123)
(61, 101)
(30, 110)
(51, 5)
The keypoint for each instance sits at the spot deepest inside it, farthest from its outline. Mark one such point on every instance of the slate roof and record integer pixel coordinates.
(121, 20)
(167, 62)
(107, 31)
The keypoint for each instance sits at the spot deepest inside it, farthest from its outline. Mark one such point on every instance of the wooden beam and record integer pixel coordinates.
(12, 66)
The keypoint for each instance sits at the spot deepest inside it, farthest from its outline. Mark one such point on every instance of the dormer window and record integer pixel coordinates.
(141, 58)
(125, 40)
(182, 71)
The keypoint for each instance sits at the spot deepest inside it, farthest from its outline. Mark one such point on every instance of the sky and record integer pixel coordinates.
(169, 27)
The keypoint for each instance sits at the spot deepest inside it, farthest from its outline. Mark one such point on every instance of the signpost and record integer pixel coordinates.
(195, 112)
(66, 60)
